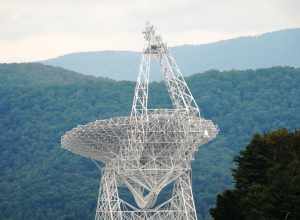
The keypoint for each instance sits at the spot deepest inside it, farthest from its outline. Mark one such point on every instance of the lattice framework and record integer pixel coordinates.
(149, 150)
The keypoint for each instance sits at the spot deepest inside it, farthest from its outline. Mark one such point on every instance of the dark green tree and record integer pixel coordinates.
(267, 180)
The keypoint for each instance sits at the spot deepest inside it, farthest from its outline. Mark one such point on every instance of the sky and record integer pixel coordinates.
(33, 30)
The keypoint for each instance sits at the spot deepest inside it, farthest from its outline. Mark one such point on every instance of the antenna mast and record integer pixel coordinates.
(178, 90)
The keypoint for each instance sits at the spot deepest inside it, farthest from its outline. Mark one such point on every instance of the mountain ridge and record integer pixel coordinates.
(276, 48)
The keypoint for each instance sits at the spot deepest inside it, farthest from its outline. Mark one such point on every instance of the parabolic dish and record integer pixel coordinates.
(165, 131)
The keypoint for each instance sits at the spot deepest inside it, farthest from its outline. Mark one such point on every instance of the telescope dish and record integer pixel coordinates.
(103, 140)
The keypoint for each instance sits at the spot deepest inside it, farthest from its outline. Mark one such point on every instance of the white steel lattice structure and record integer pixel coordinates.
(148, 151)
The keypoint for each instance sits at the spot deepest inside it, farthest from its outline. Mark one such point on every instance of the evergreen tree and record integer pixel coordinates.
(267, 180)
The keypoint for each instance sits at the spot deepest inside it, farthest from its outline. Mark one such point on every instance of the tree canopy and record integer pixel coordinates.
(267, 180)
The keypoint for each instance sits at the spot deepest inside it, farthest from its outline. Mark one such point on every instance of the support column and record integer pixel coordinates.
(183, 200)
(108, 205)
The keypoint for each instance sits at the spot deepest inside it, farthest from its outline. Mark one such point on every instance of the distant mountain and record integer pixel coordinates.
(38, 103)
(266, 50)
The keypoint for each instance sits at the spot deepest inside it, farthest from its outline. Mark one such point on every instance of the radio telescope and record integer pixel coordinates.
(148, 151)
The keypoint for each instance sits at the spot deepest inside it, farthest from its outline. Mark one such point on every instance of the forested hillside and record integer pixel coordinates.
(39, 180)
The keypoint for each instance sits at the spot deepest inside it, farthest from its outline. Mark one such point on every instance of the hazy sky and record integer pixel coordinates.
(39, 29)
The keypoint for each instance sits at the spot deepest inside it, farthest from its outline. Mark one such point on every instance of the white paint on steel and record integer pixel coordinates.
(150, 149)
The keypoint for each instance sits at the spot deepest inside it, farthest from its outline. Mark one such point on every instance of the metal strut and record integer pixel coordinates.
(178, 90)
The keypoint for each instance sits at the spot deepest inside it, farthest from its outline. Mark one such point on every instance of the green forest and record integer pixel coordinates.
(38, 103)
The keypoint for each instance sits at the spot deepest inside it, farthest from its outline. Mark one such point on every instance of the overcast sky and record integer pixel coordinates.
(39, 29)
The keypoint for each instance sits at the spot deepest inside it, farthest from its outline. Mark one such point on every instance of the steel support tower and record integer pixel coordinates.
(149, 151)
